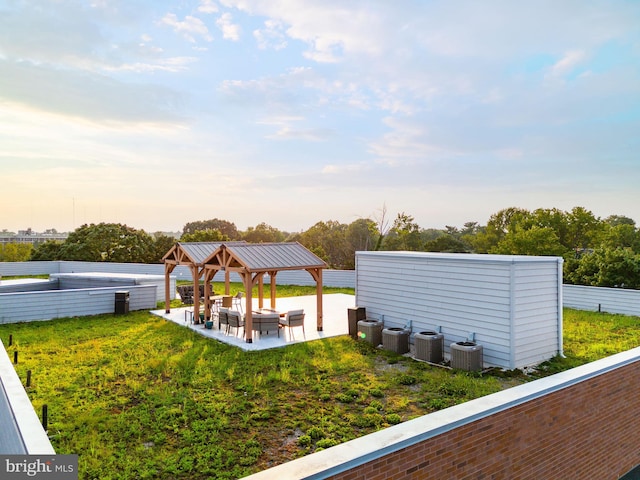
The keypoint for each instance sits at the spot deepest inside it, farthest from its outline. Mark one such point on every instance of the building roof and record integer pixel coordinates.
(193, 252)
(264, 257)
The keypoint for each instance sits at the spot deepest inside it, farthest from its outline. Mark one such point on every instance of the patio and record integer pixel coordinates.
(334, 312)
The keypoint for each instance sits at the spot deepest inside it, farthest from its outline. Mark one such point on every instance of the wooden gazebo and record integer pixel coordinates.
(192, 255)
(251, 261)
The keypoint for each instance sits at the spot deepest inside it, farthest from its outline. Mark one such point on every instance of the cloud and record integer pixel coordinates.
(171, 64)
(87, 95)
(271, 36)
(207, 6)
(342, 169)
(190, 28)
(313, 135)
(230, 30)
(567, 64)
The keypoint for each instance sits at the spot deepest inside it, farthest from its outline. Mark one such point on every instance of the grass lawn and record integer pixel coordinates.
(139, 397)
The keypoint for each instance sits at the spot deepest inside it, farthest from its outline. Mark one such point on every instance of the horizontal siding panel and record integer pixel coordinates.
(612, 300)
(46, 305)
(15, 269)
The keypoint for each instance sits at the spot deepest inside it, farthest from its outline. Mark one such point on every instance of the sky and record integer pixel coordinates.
(290, 112)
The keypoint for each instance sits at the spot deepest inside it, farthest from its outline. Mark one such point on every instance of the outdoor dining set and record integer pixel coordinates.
(228, 312)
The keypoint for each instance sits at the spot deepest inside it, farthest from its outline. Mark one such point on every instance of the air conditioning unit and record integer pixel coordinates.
(429, 346)
(466, 356)
(396, 340)
(370, 331)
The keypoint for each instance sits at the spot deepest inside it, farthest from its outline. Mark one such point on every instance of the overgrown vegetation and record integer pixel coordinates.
(138, 397)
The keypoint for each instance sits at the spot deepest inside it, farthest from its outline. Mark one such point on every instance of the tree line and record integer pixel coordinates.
(599, 252)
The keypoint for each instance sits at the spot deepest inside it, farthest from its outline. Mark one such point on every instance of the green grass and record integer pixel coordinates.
(282, 290)
(139, 397)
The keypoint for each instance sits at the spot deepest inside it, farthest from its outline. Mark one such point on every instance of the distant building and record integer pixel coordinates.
(29, 236)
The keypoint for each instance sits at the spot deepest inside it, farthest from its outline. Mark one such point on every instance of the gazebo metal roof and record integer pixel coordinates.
(192, 253)
(264, 257)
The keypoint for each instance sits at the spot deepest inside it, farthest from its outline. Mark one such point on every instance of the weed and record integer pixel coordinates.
(326, 443)
(393, 419)
(405, 379)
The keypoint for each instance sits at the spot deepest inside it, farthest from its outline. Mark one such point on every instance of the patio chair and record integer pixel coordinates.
(294, 318)
(237, 301)
(227, 301)
(266, 322)
(235, 320)
(223, 319)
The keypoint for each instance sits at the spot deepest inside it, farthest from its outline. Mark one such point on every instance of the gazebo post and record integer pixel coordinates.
(248, 317)
(319, 298)
(272, 280)
(196, 294)
(168, 268)
(227, 281)
(260, 290)
(208, 276)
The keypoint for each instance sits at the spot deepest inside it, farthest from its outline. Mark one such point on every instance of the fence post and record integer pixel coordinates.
(45, 416)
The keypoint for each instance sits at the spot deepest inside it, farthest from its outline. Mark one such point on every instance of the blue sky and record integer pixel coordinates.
(157, 113)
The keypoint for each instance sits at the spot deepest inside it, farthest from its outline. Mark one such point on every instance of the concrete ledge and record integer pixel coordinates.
(27, 435)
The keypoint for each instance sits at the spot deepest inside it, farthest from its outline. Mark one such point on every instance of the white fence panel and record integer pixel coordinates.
(46, 305)
(611, 300)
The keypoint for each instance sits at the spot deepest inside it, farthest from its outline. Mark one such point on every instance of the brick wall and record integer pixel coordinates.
(587, 430)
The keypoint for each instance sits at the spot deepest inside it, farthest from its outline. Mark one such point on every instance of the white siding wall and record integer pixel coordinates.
(36, 286)
(612, 300)
(12, 269)
(463, 294)
(537, 312)
(119, 280)
(45, 305)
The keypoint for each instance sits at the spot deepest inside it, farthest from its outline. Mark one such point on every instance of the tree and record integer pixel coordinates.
(15, 252)
(552, 218)
(161, 245)
(404, 234)
(583, 228)
(622, 235)
(362, 234)
(263, 233)
(47, 251)
(328, 241)
(107, 242)
(615, 220)
(446, 243)
(207, 235)
(608, 267)
(498, 226)
(226, 228)
(382, 224)
(533, 241)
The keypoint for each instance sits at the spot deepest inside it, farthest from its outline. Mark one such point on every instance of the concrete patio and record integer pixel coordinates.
(334, 322)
